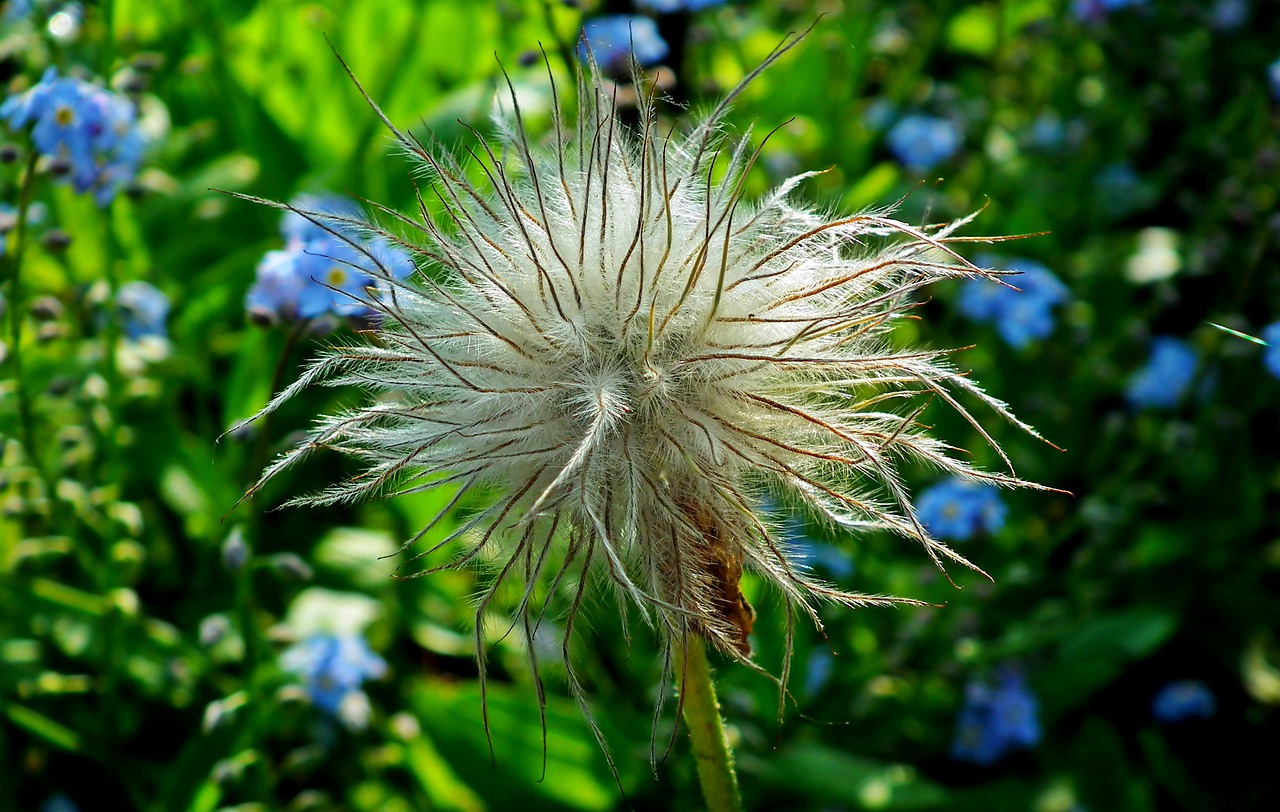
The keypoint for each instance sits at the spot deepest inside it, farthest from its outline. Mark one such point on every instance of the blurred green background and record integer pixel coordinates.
(163, 649)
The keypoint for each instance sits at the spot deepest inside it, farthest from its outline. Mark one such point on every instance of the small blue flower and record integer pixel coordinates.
(59, 802)
(958, 509)
(70, 120)
(995, 721)
(613, 41)
(879, 114)
(1273, 77)
(325, 268)
(90, 127)
(1098, 9)
(121, 145)
(1183, 700)
(298, 230)
(21, 109)
(1167, 375)
(15, 10)
(333, 279)
(1271, 335)
(818, 670)
(1021, 315)
(672, 6)
(1048, 131)
(333, 667)
(143, 310)
(1228, 15)
(1119, 189)
(276, 291)
(921, 142)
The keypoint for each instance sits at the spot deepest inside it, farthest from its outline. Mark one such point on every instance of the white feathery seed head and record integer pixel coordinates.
(607, 334)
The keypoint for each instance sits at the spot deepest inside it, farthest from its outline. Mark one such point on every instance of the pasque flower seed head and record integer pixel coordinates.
(609, 335)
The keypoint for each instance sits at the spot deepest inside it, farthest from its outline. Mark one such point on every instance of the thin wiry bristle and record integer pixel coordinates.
(632, 354)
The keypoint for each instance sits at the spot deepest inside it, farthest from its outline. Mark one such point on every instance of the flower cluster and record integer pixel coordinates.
(333, 668)
(1021, 307)
(1168, 373)
(921, 142)
(958, 509)
(996, 721)
(326, 267)
(1182, 700)
(93, 130)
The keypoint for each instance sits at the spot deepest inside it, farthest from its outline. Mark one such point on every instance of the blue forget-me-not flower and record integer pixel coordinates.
(1228, 15)
(326, 267)
(671, 6)
(333, 667)
(958, 509)
(1167, 374)
(143, 310)
(1098, 9)
(615, 40)
(94, 130)
(1182, 700)
(921, 142)
(996, 720)
(1271, 335)
(1020, 315)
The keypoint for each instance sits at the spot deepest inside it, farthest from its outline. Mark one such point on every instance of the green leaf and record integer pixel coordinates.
(974, 31)
(437, 779)
(577, 776)
(873, 187)
(43, 727)
(1101, 648)
(67, 597)
(832, 776)
(1107, 779)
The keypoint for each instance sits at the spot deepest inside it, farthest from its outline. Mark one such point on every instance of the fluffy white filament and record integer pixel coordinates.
(632, 355)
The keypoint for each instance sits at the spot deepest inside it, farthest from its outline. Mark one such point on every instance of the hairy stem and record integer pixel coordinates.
(706, 728)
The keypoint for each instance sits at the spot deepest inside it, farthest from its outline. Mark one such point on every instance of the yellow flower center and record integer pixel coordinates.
(64, 115)
(336, 276)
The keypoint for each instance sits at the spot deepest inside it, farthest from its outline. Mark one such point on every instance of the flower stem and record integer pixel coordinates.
(15, 308)
(706, 728)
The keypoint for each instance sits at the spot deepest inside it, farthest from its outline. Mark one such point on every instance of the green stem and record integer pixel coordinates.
(15, 308)
(113, 475)
(252, 654)
(259, 461)
(706, 728)
(107, 9)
